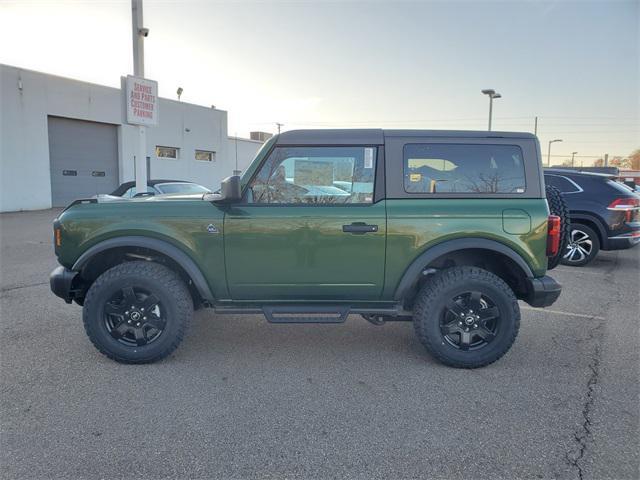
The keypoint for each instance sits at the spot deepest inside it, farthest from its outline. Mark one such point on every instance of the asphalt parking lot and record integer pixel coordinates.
(245, 399)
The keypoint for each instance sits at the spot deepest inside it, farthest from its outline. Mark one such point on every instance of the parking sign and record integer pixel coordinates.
(142, 101)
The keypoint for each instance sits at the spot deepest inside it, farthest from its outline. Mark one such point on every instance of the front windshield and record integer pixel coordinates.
(181, 188)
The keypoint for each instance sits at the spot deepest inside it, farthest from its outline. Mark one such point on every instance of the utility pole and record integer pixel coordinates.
(139, 34)
(492, 94)
(535, 127)
(279, 125)
(573, 154)
(606, 159)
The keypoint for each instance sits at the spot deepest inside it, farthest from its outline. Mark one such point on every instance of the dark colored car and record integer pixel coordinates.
(604, 213)
(160, 187)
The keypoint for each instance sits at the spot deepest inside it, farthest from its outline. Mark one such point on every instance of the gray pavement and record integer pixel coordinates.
(245, 399)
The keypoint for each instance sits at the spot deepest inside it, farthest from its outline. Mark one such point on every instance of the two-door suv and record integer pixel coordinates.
(447, 229)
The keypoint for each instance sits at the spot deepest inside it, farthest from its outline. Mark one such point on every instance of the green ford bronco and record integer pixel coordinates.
(447, 229)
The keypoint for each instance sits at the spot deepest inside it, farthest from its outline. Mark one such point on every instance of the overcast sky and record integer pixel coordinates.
(388, 64)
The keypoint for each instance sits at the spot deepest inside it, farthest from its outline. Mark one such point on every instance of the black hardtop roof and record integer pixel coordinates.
(375, 136)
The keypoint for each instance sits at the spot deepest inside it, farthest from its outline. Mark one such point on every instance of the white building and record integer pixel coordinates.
(62, 139)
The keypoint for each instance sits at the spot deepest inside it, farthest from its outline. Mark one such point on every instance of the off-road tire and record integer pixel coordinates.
(558, 206)
(595, 245)
(165, 284)
(430, 305)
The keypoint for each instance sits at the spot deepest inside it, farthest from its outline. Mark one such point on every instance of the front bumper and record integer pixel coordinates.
(543, 291)
(61, 282)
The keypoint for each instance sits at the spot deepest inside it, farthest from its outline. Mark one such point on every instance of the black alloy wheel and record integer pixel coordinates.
(134, 316)
(470, 321)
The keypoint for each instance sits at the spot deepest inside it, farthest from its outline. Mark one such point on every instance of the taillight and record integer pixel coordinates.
(625, 204)
(553, 236)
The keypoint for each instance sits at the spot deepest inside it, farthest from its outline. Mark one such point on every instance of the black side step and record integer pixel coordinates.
(306, 313)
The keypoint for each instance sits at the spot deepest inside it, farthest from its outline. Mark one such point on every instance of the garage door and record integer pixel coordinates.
(84, 159)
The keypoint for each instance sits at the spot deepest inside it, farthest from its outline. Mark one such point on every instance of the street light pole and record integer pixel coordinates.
(573, 154)
(279, 125)
(492, 94)
(139, 33)
(549, 152)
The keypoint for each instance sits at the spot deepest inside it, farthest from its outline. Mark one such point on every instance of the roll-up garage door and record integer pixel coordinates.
(83, 157)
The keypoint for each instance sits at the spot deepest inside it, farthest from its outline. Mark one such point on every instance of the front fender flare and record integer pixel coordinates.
(161, 246)
(412, 273)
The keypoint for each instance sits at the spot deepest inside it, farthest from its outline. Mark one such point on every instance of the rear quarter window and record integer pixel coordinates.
(619, 187)
(463, 169)
(564, 184)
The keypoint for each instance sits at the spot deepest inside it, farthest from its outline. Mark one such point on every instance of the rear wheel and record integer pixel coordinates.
(583, 246)
(466, 317)
(137, 312)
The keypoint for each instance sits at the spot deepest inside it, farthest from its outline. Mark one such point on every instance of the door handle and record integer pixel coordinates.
(359, 228)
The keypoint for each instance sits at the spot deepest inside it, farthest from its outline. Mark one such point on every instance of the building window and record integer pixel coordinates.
(205, 156)
(462, 168)
(167, 152)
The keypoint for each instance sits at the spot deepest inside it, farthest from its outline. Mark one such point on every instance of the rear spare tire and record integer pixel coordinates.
(137, 312)
(558, 206)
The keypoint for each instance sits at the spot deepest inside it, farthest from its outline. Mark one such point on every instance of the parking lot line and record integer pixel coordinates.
(578, 270)
(559, 312)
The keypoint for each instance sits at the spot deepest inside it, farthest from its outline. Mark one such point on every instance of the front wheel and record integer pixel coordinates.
(466, 317)
(583, 246)
(137, 312)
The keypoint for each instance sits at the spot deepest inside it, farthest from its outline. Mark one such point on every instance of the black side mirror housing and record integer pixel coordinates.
(230, 190)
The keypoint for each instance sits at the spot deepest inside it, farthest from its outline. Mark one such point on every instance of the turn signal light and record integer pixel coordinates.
(553, 236)
(58, 237)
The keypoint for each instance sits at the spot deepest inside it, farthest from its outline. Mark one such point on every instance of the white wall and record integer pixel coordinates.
(24, 145)
(246, 149)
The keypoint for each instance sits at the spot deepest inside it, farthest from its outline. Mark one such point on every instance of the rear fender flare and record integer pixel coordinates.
(413, 272)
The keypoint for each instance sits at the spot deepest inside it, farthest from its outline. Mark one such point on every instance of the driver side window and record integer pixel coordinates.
(315, 175)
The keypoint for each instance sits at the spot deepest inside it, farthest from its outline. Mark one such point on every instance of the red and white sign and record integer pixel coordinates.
(142, 101)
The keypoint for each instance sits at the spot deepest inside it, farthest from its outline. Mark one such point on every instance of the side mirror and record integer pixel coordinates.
(230, 190)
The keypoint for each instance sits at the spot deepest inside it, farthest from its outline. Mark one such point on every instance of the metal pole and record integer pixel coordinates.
(138, 71)
(535, 127)
(573, 155)
(490, 110)
(236, 171)
(606, 159)
(549, 155)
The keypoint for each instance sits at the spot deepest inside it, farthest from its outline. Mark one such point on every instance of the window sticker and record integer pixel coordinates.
(368, 157)
(415, 177)
(310, 172)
